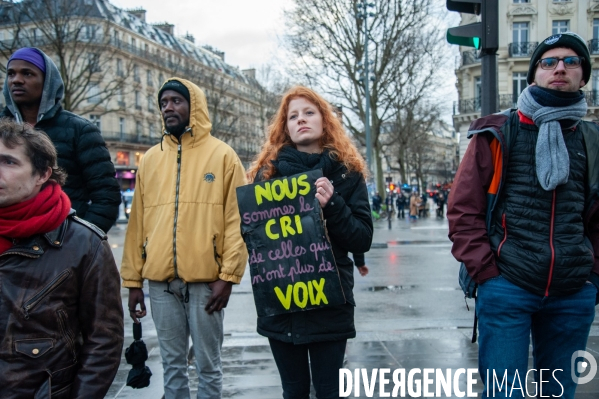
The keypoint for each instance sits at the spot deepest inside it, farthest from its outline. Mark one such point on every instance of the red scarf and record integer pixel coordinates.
(39, 215)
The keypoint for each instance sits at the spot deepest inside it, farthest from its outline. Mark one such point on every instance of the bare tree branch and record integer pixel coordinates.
(327, 44)
(82, 46)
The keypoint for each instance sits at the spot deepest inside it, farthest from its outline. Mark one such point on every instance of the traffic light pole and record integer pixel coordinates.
(482, 35)
(490, 43)
(490, 95)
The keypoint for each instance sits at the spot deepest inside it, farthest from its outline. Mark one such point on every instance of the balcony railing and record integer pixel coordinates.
(130, 138)
(466, 106)
(592, 98)
(472, 105)
(470, 57)
(594, 46)
(508, 101)
(522, 49)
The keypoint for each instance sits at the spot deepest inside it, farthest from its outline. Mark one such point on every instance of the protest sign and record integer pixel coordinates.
(291, 261)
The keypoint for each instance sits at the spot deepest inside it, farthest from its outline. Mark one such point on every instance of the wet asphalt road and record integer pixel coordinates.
(410, 313)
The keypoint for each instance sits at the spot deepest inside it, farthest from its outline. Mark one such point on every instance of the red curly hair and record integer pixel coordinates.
(333, 138)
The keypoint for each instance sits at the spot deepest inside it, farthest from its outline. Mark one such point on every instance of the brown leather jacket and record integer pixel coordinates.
(61, 318)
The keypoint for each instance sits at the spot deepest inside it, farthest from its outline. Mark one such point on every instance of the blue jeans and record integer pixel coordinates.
(295, 362)
(175, 321)
(507, 317)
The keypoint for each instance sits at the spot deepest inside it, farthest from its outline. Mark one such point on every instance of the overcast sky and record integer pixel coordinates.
(245, 30)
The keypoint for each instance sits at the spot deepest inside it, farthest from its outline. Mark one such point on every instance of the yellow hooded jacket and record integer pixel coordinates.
(184, 220)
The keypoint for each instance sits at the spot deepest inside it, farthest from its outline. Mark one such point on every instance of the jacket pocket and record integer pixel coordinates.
(503, 224)
(66, 332)
(467, 283)
(34, 348)
(43, 392)
(62, 393)
(61, 382)
(37, 298)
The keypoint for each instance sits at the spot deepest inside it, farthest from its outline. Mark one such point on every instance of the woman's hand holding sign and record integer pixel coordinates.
(324, 191)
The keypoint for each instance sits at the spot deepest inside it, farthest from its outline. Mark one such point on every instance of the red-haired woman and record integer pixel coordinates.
(305, 134)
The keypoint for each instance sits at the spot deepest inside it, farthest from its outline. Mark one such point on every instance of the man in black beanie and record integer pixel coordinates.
(177, 122)
(184, 238)
(524, 220)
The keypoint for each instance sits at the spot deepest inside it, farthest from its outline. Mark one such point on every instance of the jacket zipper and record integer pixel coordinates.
(37, 298)
(551, 245)
(176, 209)
(504, 235)
(66, 332)
(25, 254)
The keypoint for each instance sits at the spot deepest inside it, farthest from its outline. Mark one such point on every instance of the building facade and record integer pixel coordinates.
(121, 61)
(522, 25)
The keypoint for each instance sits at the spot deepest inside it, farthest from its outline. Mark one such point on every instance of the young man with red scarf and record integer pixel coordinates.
(61, 318)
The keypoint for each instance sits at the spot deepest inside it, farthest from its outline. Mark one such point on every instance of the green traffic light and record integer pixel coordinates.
(463, 41)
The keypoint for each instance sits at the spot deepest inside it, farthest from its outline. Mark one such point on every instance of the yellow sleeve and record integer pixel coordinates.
(234, 255)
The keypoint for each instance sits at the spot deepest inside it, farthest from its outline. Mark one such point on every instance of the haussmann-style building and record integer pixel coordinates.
(522, 25)
(113, 63)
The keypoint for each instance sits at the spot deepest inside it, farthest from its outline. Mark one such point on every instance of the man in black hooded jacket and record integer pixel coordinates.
(33, 91)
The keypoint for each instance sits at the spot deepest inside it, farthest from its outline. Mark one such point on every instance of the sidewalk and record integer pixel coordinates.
(403, 319)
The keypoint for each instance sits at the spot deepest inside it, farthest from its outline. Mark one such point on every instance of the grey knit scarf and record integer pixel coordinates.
(551, 155)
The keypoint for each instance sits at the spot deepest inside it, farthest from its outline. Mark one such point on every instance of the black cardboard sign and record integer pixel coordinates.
(291, 261)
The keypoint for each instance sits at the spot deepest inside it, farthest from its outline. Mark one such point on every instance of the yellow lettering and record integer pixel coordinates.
(301, 181)
(319, 292)
(286, 226)
(281, 194)
(284, 299)
(304, 301)
(298, 224)
(293, 192)
(260, 192)
(311, 292)
(269, 233)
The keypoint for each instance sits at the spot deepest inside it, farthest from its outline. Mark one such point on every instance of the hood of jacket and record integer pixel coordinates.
(52, 94)
(199, 121)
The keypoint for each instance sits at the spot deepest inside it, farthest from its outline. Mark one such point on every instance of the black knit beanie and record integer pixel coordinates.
(562, 40)
(176, 86)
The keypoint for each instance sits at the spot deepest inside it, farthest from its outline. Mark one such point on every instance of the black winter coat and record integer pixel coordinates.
(91, 183)
(61, 317)
(349, 225)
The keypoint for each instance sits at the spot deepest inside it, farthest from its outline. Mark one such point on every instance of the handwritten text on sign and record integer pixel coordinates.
(291, 262)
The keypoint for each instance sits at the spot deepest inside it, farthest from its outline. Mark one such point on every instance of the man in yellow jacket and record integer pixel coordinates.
(184, 237)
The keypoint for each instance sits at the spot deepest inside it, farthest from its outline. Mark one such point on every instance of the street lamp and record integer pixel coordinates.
(364, 13)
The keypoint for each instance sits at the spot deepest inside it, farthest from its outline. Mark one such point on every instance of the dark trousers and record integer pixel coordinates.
(295, 362)
(400, 212)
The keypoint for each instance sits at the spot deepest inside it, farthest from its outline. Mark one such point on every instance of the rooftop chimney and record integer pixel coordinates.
(166, 27)
(219, 54)
(138, 12)
(188, 36)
